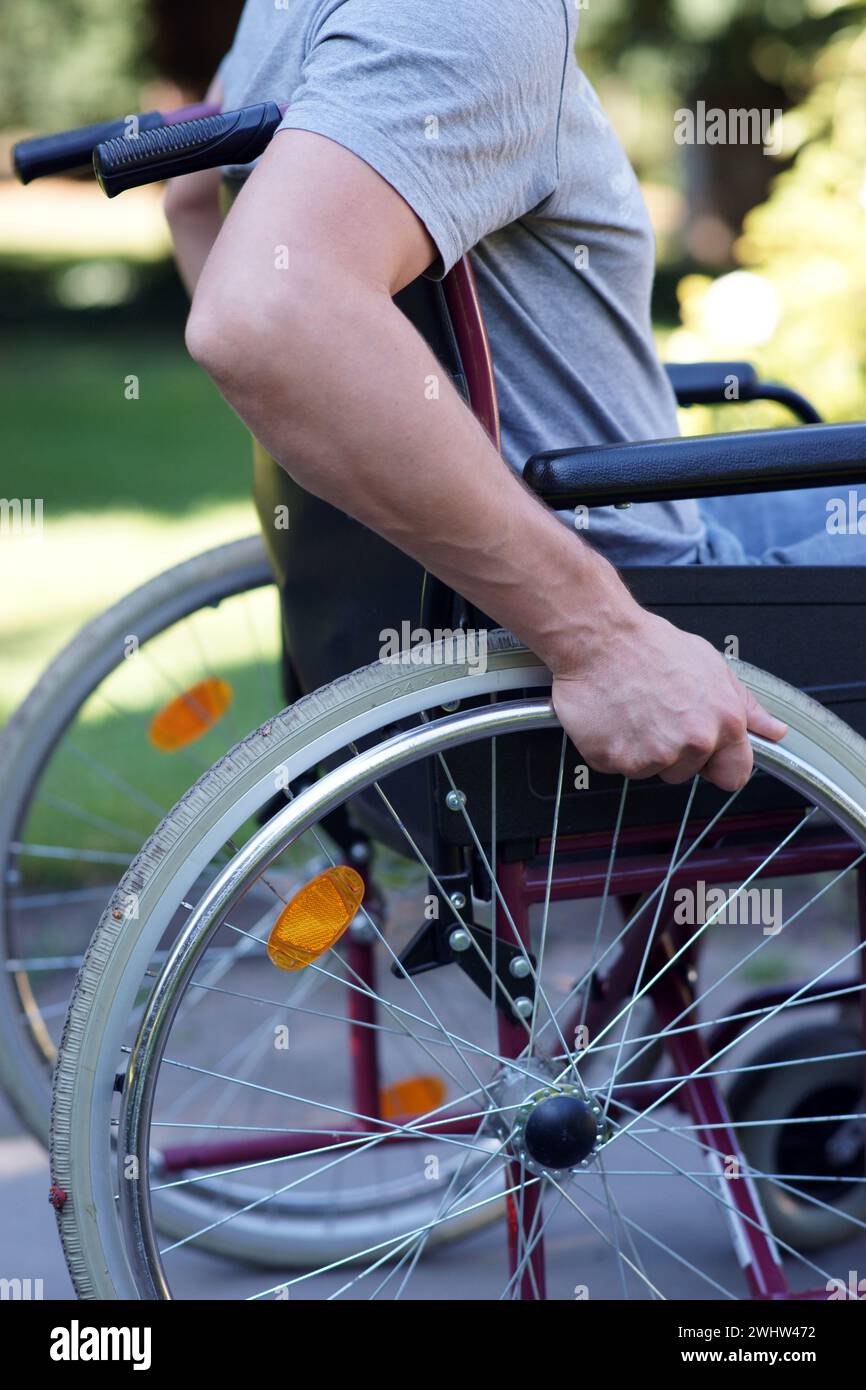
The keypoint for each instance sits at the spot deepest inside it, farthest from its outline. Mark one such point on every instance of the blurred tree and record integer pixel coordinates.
(69, 62)
(63, 62)
(650, 57)
(798, 304)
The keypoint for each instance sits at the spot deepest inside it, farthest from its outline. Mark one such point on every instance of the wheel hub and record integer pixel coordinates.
(560, 1132)
(558, 1129)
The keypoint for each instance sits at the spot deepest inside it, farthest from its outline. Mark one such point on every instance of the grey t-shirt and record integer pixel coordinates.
(477, 113)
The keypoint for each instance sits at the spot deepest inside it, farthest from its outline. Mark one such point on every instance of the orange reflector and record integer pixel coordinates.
(415, 1095)
(316, 918)
(185, 719)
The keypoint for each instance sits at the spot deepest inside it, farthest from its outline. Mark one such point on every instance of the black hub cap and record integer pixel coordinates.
(560, 1132)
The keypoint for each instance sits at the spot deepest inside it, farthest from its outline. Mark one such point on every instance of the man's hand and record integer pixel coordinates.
(649, 699)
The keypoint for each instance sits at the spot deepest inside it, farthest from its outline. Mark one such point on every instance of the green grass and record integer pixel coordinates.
(128, 487)
(106, 786)
(71, 436)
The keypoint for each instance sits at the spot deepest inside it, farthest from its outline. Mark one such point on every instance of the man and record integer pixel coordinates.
(416, 131)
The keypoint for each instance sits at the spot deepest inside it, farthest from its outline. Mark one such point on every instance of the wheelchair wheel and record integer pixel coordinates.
(823, 1156)
(86, 774)
(489, 1041)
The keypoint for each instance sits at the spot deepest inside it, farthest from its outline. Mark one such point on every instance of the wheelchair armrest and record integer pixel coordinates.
(705, 383)
(710, 465)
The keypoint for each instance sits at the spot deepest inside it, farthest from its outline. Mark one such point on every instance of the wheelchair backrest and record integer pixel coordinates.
(341, 584)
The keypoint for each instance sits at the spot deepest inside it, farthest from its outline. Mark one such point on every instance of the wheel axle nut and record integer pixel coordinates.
(561, 1133)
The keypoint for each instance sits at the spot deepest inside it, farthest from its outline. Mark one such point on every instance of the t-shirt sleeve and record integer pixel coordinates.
(455, 105)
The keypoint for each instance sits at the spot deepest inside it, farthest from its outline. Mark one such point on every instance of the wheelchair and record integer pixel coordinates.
(401, 1000)
(87, 776)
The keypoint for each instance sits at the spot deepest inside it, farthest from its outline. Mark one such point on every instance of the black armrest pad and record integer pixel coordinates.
(705, 383)
(711, 465)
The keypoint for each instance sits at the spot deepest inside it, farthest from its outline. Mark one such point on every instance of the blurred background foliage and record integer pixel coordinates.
(68, 63)
(798, 306)
(759, 256)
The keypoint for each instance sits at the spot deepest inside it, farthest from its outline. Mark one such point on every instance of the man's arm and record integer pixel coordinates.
(192, 209)
(293, 318)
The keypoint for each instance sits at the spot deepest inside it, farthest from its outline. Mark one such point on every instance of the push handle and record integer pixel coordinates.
(232, 137)
(73, 149)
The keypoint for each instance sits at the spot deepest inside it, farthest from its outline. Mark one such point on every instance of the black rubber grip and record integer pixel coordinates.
(232, 137)
(705, 383)
(710, 465)
(73, 149)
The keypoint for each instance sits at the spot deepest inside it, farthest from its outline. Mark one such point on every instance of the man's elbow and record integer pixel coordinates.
(263, 344)
(222, 338)
(204, 334)
(238, 331)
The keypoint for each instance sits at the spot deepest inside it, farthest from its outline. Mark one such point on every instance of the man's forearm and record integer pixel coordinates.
(193, 213)
(192, 208)
(358, 410)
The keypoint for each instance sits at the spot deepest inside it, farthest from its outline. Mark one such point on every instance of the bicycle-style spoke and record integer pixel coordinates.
(585, 979)
(421, 859)
(58, 803)
(761, 1227)
(639, 988)
(545, 914)
(447, 1036)
(696, 935)
(594, 960)
(67, 852)
(536, 1235)
(374, 1249)
(121, 784)
(770, 1013)
(695, 1003)
(500, 899)
(622, 1259)
(784, 1181)
(662, 1245)
(370, 1120)
(416, 1244)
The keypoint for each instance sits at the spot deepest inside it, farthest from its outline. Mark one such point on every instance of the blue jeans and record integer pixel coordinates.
(783, 528)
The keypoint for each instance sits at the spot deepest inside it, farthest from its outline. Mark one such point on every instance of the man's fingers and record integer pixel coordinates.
(731, 767)
(684, 769)
(760, 721)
